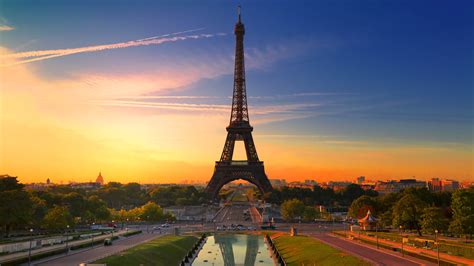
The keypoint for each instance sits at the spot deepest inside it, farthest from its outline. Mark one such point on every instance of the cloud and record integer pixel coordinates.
(32, 56)
(6, 28)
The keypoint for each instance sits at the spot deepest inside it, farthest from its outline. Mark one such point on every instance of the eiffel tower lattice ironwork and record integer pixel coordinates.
(239, 129)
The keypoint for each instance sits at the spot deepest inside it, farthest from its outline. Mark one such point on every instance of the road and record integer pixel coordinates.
(24, 254)
(377, 257)
(233, 214)
(99, 252)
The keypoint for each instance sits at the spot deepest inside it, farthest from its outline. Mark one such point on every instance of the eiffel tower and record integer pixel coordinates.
(227, 170)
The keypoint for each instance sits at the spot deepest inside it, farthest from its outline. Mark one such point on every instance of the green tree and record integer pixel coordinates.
(351, 192)
(310, 213)
(361, 205)
(39, 210)
(98, 208)
(15, 204)
(58, 218)
(463, 212)
(407, 212)
(433, 219)
(75, 202)
(291, 209)
(151, 212)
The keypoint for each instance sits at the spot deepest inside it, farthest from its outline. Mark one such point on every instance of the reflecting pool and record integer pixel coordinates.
(234, 249)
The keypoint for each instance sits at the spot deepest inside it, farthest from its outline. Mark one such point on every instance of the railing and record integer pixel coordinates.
(238, 162)
(278, 259)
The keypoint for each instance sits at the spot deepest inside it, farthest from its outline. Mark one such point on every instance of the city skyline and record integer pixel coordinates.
(332, 94)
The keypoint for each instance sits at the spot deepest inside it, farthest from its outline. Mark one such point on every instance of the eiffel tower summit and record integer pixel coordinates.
(227, 170)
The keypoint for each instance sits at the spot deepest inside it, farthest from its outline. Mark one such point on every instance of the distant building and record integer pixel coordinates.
(48, 181)
(449, 185)
(86, 185)
(100, 179)
(336, 186)
(311, 182)
(360, 180)
(436, 184)
(393, 186)
(278, 182)
(8, 176)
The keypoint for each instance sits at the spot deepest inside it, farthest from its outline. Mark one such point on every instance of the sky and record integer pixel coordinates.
(140, 90)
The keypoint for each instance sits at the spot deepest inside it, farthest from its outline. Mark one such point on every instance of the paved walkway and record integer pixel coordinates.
(456, 259)
(373, 255)
(24, 254)
(98, 252)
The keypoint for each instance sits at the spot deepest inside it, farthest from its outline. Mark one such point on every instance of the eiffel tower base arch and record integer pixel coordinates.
(226, 172)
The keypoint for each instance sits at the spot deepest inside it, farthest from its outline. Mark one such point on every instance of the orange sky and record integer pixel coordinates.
(56, 129)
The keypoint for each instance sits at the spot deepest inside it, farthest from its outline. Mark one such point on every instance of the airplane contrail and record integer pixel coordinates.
(47, 54)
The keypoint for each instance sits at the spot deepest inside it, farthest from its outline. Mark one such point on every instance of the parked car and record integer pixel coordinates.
(165, 225)
(107, 242)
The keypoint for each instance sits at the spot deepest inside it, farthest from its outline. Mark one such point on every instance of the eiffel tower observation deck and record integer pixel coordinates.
(239, 129)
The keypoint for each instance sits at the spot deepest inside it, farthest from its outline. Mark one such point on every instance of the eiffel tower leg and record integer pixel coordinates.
(228, 151)
(215, 184)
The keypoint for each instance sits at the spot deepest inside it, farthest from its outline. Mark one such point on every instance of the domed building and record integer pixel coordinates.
(100, 179)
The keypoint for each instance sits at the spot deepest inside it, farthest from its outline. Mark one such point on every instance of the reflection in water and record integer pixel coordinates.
(232, 250)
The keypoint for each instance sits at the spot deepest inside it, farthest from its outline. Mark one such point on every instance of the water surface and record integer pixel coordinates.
(234, 249)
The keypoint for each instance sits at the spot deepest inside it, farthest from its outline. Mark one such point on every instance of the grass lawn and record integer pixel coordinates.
(167, 250)
(299, 250)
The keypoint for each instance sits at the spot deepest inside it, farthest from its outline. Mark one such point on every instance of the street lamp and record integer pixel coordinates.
(67, 238)
(377, 234)
(113, 228)
(92, 238)
(401, 227)
(29, 251)
(437, 244)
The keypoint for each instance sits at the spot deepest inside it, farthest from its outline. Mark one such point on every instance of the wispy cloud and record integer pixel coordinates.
(6, 28)
(32, 56)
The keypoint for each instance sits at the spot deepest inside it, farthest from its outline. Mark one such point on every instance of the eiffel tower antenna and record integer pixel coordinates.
(227, 170)
(238, 12)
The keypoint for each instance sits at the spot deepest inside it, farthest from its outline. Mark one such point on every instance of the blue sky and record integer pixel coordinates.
(382, 72)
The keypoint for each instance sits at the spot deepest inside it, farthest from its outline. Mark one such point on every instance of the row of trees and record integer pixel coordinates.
(421, 210)
(413, 209)
(318, 195)
(58, 207)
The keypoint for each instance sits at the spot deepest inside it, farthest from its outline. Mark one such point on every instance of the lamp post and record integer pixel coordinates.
(67, 238)
(377, 234)
(92, 238)
(113, 228)
(437, 244)
(401, 227)
(29, 251)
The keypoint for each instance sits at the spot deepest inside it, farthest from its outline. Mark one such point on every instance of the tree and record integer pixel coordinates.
(135, 195)
(76, 203)
(39, 209)
(310, 213)
(98, 208)
(433, 219)
(57, 218)
(291, 209)
(151, 212)
(385, 205)
(361, 205)
(463, 212)
(351, 192)
(15, 204)
(407, 212)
